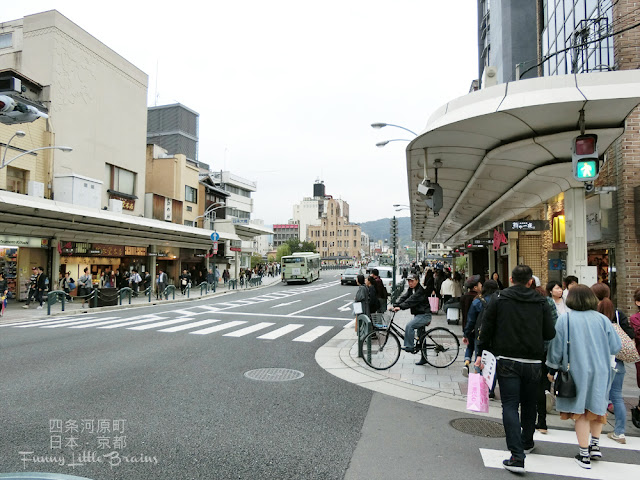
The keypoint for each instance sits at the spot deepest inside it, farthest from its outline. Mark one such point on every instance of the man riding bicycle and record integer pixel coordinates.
(416, 300)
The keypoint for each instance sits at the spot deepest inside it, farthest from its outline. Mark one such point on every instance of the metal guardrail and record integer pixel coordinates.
(364, 326)
(55, 296)
(125, 291)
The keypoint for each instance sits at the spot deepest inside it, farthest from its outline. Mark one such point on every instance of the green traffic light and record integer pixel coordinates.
(587, 169)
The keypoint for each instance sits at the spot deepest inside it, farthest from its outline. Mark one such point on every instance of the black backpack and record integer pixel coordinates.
(480, 317)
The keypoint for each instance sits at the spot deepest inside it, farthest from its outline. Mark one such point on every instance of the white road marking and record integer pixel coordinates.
(149, 326)
(40, 323)
(563, 466)
(104, 321)
(217, 328)
(317, 305)
(279, 332)
(248, 330)
(280, 315)
(311, 335)
(569, 437)
(189, 325)
(284, 304)
(77, 321)
(131, 321)
(346, 307)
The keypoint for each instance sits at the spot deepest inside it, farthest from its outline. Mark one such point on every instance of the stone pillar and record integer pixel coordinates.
(55, 264)
(492, 261)
(512, 238)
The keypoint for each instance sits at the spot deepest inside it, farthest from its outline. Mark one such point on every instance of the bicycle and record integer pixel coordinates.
(439, 346)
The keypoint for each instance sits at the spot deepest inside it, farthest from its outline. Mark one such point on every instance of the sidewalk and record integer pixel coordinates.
(437, 387)
(16, 313)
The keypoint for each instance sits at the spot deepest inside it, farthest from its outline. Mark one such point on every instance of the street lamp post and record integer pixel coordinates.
(383, 143)
(4, 164)
(378, 126)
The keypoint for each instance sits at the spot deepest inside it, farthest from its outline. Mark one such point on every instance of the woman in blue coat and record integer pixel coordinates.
(592, 342)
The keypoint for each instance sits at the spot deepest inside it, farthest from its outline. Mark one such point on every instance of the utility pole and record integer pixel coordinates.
(394, 240)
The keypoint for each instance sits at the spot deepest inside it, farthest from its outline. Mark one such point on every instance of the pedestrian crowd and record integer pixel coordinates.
(538, 336)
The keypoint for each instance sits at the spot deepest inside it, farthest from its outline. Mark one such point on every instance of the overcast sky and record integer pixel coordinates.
(287, 90)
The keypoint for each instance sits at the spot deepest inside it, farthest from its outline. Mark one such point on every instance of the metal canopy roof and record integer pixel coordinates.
(507, 148)
(38, 217)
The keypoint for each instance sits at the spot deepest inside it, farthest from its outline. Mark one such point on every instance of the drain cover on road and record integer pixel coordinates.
(274, 374)
(479, 427)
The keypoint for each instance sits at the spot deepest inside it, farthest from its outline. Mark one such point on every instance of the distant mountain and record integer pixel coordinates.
(380, 229)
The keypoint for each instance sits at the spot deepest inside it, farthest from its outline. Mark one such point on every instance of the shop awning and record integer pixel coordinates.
(507, 148)
(25, 215)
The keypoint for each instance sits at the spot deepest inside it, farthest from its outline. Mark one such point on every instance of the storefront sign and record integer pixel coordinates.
(498, 239)
(152, 254)
(95, 252)
(135, 251)
(127, 203)
(527, 226)
(244, 221)
(557, 264)
(23, 241)
(167, 209)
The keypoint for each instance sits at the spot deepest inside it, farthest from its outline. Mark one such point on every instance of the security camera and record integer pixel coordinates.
(425, 189)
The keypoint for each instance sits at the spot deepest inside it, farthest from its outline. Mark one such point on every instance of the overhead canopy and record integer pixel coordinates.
(507, 148)
(37, 217)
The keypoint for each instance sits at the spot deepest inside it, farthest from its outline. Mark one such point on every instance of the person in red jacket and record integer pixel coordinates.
(635, 323)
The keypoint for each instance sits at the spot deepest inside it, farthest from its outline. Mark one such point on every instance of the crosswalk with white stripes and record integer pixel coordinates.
(190, 322)
(564, 465)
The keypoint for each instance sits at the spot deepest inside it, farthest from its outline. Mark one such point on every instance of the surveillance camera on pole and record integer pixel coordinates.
(13, 112)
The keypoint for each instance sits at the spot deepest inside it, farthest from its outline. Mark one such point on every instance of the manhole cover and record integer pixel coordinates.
(274, 374)
(479, 427)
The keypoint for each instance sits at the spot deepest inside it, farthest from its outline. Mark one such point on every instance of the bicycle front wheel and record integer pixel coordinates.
(381, 349)
(440, 347)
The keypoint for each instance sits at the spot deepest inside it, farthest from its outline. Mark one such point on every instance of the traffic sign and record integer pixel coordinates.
(215, 247)
(215, 236)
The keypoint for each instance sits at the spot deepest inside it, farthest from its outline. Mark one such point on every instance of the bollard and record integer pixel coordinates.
(52, 297)
(169, 288)
(125, 291)
(204, 285)
(364, 327)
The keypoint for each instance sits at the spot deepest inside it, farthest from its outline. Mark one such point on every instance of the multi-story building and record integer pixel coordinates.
(310, 210)
(506, 40)
(337, 240)
(282, 233)
(175, 128)
(85, 207)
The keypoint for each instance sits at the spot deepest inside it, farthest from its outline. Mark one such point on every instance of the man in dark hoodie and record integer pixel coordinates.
(515, 325)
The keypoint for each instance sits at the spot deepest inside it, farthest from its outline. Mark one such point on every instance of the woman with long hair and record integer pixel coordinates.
(605, 307)
(584, 343)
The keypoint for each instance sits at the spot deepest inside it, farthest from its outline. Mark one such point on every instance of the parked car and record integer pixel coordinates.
(349, 276)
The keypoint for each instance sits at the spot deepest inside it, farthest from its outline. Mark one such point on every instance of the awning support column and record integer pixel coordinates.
(575, 213)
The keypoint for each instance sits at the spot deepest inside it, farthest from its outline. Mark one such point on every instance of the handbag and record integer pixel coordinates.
(628, 353)
(563, 385)
(477, 394)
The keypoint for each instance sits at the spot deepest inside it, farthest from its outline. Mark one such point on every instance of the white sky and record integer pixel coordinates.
(286, 90)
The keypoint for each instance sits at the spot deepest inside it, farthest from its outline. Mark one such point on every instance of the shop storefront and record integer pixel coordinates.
(17, 256)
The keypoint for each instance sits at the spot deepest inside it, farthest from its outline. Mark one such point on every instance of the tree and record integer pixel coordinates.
(271, 259)
(283, 251)
(256, 259)
(295, 245)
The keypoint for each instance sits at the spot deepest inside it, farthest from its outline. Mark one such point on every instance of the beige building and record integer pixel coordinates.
(337, 240)
(96, 103)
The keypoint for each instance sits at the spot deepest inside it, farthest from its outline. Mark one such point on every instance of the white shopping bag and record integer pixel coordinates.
(488, 367)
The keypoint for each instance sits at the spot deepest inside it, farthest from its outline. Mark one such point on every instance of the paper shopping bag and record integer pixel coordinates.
(434, 304)
(477, 394)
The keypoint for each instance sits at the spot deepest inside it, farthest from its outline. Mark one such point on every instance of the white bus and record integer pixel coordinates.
(300, 267)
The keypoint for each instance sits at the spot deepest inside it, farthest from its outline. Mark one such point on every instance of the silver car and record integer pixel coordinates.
(349, 276)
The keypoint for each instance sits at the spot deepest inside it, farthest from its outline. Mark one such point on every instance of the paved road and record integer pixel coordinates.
(171, 378)
(163, 388)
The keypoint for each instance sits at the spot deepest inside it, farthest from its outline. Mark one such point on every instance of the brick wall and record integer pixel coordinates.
(622, 168)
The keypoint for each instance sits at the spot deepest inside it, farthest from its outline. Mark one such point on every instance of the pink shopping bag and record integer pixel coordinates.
(477, 394)
(434, 303)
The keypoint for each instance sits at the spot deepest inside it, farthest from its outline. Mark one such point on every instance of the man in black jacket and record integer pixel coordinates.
(415, 299)
(515, 325)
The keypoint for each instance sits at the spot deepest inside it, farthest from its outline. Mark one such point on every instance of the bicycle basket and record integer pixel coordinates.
(381, 320)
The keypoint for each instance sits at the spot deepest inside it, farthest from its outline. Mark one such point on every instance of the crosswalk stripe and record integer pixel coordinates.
(67, 323)
(217, 328)
(94, 323)
(569, 437)
(208, 308)
(563, 466)
(47, 322)
(131, 321)
(161, 324)
(312, 334)
(189, 325)
(248, 330)
(279, 332)
(30, 322)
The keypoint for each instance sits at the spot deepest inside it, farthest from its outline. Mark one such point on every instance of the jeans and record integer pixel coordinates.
(615, 397)
(518, 386)
(541, 400)
(417, 322)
